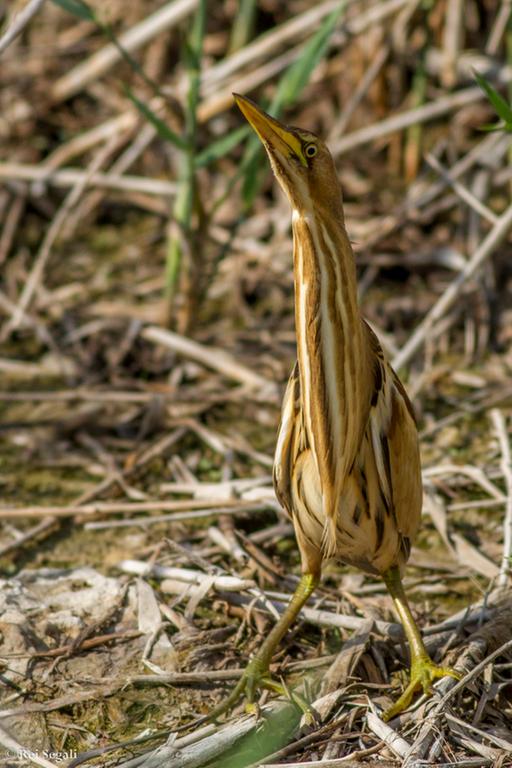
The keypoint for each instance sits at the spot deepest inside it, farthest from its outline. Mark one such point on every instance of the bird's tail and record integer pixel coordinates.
(329, 535)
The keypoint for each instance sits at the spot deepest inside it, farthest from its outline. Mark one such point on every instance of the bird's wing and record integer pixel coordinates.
(404, 460)
(394, 439)
(286, 446)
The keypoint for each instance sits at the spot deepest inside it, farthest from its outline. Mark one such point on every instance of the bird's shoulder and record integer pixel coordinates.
(384, 381)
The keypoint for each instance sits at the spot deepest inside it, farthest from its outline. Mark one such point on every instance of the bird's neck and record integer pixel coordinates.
(329, 343)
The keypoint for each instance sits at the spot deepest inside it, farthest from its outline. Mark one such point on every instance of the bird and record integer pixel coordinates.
(347, 465)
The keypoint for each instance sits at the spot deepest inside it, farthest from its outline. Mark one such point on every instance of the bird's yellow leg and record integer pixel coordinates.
(256, 674)
(423, 669)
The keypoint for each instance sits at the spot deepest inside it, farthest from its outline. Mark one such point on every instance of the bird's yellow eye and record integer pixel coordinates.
(310, 150)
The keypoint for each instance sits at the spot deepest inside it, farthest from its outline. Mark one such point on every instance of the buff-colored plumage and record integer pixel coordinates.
(347, 465)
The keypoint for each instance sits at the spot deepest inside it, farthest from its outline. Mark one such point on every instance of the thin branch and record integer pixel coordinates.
(68, 177)
(201, 507)
(164, 18)
(448, 298)
(212, 357)
(500, 428)
(37, 271)
(461, 190)
(19, 23)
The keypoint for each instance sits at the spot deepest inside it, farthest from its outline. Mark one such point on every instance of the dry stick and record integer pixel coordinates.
(46, 525)
(67, 700)
(212, 357)
(41, 332)
(421, 194)
(371, 73)
(136, 147)
(314, 616)
(265, 45)
(494, 739)
(337, 762)
(499, 28)
(14, 748)
(185, 678)
(245, 83)
(88, 139)
(452, 35)
(85, 645)
(68, 177)
(100, 395)
(421, 114)
(21, 369)
(476, 474)
(52, 233)
(100, 62)
(447, 299)
(399, 31)
(381, 729)
(500, 428)
(43, 527)
(461, 190)
(19, 23)
(425, 735)
(261, 47)
(185, 575)
(206, 750)
(198, 514)
(111, 508)
(217, 102)
(477, 154)
(11, 223)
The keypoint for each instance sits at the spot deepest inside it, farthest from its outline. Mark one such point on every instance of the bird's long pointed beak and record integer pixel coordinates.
(273, 134)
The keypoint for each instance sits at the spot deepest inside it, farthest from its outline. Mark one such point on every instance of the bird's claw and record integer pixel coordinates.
(423, 674)
(254, 678)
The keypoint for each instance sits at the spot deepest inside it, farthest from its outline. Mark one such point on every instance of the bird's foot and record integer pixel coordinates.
(255, 677)
(423, 674)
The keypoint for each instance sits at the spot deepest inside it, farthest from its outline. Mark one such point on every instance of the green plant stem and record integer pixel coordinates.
(187, 192)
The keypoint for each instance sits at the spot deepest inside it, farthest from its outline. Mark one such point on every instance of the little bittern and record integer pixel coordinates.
(347, 464)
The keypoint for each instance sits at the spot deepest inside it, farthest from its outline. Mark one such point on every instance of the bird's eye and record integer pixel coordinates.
(310, 150)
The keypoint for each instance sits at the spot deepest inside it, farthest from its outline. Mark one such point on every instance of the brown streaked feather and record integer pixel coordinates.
(285, 457)
(331, 357)
(397, 455)
(404, 457)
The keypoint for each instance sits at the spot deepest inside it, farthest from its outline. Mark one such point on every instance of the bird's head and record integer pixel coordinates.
(301, 162)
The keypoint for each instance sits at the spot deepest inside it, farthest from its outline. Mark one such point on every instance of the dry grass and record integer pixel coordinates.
(130, 449)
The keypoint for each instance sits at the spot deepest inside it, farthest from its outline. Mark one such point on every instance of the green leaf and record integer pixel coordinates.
(297, 75)
(77, 8)
(162, 128)
(222, 146)
(252, 167)
(196, 37)
(493, 127)
(503, 109)
(193, 51)
(243, 24)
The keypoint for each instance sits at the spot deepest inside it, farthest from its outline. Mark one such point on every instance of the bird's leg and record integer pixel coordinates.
(256, 674)
(423, 669)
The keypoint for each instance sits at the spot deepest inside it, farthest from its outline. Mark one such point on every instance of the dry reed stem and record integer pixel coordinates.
(19, 22)
(500, 428)
(494, 238)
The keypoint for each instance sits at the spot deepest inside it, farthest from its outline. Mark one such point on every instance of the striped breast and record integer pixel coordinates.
(330, 354)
